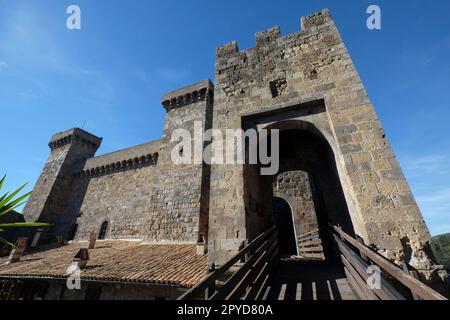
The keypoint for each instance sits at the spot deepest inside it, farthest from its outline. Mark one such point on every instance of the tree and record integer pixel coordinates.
(9, 202)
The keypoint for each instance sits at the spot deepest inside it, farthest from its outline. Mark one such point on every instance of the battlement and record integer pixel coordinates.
(61, 139)
(193, 93)
(227, 49)
(315, 19)
(271, 35)
(138, 156)
(267, 36)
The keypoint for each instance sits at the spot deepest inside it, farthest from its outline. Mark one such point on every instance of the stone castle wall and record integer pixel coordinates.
(307, 77)
(123, 199)
(285, 71)
(138, 191)
(51, 194)
(295, 188)
(180, 200)
(120, 195)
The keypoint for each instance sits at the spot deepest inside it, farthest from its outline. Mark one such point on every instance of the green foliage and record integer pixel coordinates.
(441, 249)
(9, 202)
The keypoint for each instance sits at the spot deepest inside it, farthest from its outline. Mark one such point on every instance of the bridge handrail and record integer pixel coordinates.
(310, 245)
(258, 255)
(308, 236)
(413, 284)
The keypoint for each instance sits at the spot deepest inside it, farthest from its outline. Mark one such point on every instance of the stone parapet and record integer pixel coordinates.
(130, 158)
(196, 92)
(61, 139)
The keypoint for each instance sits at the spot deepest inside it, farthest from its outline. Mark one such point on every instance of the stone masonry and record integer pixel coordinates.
(304, 84)
(285, 71)
(295, 188)
(138, 191)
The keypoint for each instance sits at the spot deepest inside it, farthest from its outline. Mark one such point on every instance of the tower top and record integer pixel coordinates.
(271, 35)
(60, 139)
(193, 93)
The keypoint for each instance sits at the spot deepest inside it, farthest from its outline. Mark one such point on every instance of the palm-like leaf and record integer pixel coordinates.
(6, 242)
(23, 224)
(9, 203)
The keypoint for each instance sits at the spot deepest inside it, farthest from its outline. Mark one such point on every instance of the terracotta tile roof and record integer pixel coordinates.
(125, 261)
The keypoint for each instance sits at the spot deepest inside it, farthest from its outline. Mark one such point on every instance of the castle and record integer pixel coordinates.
(336, 167)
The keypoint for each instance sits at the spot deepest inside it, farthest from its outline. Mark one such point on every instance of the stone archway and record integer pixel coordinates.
(302, 148)
(285, 223)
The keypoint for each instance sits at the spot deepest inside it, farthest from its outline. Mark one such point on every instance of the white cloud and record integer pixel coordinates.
(29, 40)
(435, 197)
(431, 164)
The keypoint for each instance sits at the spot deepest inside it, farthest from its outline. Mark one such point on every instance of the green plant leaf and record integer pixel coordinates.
(6, 242)
(6, 201)
(4, 196)
(6, 210)
(24, 224)
(2, 181)
(14, 204)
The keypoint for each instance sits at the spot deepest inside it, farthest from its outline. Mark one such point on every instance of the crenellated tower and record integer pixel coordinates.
(69, 151)
(306, 85)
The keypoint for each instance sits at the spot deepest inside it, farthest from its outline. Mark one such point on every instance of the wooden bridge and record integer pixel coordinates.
(257, 272)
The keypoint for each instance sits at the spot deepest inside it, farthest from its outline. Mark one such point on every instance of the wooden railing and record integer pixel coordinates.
(357, 258)
(310, 246)
(244, 277)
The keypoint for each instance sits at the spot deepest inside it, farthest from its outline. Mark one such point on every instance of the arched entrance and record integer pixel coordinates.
(301, 148)
(103, 230)
(284, 221)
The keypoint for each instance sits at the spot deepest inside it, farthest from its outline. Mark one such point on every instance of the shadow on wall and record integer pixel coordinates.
(301, 148)
(67, 225)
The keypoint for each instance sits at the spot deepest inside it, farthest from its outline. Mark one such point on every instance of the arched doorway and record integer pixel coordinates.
(103, 230)
(301, 147)
(284, 221)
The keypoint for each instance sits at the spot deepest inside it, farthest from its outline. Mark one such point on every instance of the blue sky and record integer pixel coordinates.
(112, 73)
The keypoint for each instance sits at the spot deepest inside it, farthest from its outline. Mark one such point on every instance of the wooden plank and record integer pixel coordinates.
(263, 288)
(361, 294)
(210, 279)
(311, 249)
(386, 292)
(406, 269)
(203, 285)
(363, 256)
(235, 279)
(313, 255)
(263, 280)
(270, 267)
(255, 243)
(258, 283)
(254, 271)
(415, 285)
(309, 233)
(310, 242)
(415, 274)
(309, 237)
(359, 280)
